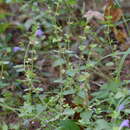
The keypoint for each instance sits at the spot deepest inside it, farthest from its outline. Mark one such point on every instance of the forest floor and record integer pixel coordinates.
(64, 66)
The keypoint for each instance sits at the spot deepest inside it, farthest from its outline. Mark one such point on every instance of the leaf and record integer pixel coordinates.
(93, 14)
(69, 125)
(103, 94)
(40, 108)
(120, 35)
(68, 92)
(102, 125)
(105, 89)
(71, 73)
(58, 80)
(119, 95)
(82, 94)
(127, 111)
(4, 7)
(110, 64)
(83, 77)
(19, 68)
(78, 100)
(59, 62)
(68, 112)
(3, 27)
(112, 10)
(28, 23)
(2, 84)
(71, 2)
(112, 85)
(4, 127)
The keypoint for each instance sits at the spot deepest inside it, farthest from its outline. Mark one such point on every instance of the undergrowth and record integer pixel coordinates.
(59, 71)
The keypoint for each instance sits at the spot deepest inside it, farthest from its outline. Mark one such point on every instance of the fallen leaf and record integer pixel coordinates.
(125, 46)
(4, 8)
(114, 14)
(93, 14)
(120, 35)
(112, 10)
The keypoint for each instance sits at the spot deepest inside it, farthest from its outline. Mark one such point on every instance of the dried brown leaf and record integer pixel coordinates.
(112, 10)
(120, 35)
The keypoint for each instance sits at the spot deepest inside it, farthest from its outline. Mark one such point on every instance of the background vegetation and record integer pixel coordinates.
(64, 65)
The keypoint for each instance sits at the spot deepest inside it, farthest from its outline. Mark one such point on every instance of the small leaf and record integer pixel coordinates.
(68, 112)
(59, 62)
(68, 92)
(84, 76)
(119, 95)
(110, 64)
(3, 27)
(82, 94)
(71, 73)
(69, 125)
(58, 81)
(71, 2)
(102, 125)
(127, 111)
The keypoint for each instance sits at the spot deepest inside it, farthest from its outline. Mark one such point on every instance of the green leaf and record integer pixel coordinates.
(19, 68)
(3, 15)
(71, 73)
(40, 108)
(68, 125)
(82, 78)
(69, 112)
(127, 111)
(58, 80)
(59, 62)
(112, 85)
(68, 92)
(71, 2)
(82, 94)
(110, 64)
(102, 125)
(78, 100)
(4, 127)
(86, 116)
(2, 84)
(28, 23)
(102, 94)
(3, 27)
(119, 95)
